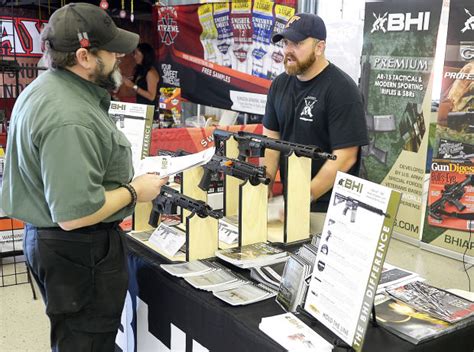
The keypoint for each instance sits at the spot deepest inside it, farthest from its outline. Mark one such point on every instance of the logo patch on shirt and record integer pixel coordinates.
(307, 113)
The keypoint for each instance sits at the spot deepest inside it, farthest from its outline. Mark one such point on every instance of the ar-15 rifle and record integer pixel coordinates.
(254, 145)
(169, 199)
(452, 194)
(352, 204)
(232, 167)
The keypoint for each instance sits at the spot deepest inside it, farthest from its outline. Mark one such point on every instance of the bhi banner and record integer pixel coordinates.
(397, 60)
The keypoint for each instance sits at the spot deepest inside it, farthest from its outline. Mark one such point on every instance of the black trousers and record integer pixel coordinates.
(83, 278)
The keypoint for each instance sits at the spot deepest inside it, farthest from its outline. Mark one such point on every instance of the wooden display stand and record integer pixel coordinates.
(202, 234)
(295, 226)
(249, 202)
(202, 237)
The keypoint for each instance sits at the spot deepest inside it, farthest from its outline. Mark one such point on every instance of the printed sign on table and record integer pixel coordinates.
(350, 257)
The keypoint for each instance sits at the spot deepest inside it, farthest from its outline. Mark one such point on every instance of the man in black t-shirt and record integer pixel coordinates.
(314, 103)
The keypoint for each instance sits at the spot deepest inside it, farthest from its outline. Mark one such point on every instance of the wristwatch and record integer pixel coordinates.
(135, 87)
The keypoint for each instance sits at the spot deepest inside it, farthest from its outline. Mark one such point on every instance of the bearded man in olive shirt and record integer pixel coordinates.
(68, 175)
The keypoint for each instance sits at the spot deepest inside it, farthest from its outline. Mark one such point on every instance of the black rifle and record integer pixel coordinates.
(169, 199)
(254, 145)
(352, 204)
(452, 194)
(232, 167)
(460, 121)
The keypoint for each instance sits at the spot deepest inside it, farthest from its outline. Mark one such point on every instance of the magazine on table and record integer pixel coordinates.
(245, 294)
(275, 270)
(308, 252)
(293, 285)
(438, 303)
(294, 335)
(410, 324)
(257, 254)
(394, 276)
(258, 274)
(269, 274)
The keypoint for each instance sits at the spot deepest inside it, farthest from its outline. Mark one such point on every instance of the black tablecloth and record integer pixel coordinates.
(218, 326)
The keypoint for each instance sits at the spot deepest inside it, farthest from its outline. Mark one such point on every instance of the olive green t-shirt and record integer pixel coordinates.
(63, 152)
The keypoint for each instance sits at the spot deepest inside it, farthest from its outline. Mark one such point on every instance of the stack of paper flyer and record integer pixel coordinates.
(410, 324)
(294, 335)
(253, 255)
(224, 284)
(438, 303)
(245, 294)
(219, 279)
(193, 268)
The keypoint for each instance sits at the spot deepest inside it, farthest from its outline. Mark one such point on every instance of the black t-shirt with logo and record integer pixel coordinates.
(326, 111)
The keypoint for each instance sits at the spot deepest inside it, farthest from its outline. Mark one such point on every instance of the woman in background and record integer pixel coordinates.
(145, 76)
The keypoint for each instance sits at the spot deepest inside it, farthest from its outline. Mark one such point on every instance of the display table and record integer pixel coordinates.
(176, 311)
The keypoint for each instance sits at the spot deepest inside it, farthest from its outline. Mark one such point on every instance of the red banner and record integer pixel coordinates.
(220, 54)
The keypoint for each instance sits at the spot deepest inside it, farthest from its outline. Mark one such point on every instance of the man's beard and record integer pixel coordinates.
(299, 68)
(110, 81)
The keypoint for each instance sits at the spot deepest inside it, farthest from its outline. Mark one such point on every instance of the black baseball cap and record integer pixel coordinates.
(302, 26)
(85, 25)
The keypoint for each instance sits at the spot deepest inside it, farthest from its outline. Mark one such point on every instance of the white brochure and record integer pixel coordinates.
(350, 257)
(168, 165)
(294, 335)
(168, 239)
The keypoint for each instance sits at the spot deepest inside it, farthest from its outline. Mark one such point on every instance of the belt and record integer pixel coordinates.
(86, 229)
